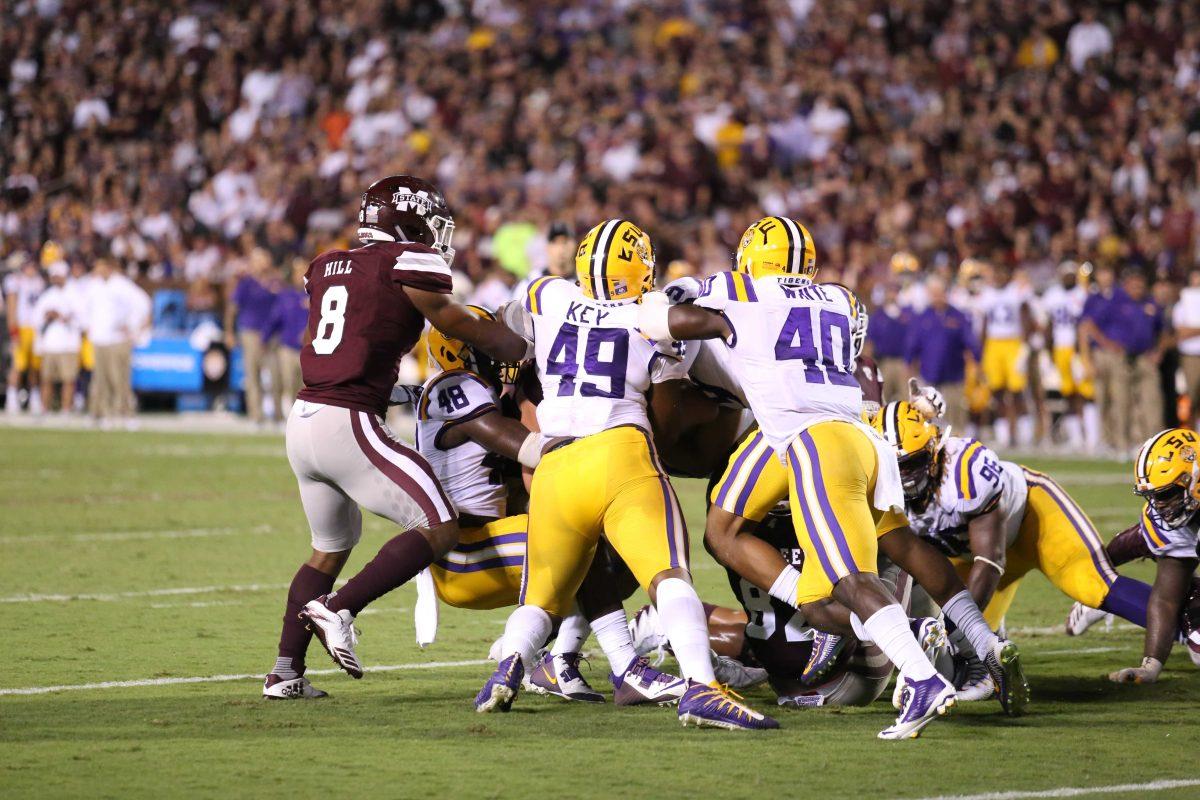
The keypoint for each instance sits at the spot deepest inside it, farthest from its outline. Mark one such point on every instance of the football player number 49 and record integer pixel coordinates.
(332, 322)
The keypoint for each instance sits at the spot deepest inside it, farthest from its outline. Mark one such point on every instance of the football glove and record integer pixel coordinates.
(926, 399)
(403, 395)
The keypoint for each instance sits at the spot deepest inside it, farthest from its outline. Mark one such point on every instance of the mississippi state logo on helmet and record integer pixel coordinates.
(615, 261)
(403, 208)
(1166, 473)
(918, 445)
(777, 246)
(446, 354)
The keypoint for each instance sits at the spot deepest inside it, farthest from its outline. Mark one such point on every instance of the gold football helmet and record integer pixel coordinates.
(447, 354)
(918, 444)
(1166, 474)
(777, 246)
(615, 261)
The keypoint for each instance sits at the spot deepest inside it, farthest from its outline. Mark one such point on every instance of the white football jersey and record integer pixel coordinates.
(26, 289)
(1001, 310)
(594, 365)
(1063, 308)
(974, 481)
(1181, 542)
(790, 352)
(711, 363)
(468, 472)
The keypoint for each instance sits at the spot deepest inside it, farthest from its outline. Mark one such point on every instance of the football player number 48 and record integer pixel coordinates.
(333, 320)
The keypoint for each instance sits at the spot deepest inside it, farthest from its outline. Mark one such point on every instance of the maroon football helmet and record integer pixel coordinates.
(403, 208)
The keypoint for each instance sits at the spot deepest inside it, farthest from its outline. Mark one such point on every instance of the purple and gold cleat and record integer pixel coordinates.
(502, 687)
(826, 647)
(924, 701)
(715, 706)
(560, 676)
(642, 683)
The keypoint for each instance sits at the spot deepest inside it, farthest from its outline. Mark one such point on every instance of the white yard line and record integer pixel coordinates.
(1075, 791)
(124, 536)
(1082, 651)
(79, 687)
(111, 596)
(1057, 630)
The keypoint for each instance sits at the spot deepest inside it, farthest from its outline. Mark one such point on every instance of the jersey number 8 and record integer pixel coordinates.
(332, 322)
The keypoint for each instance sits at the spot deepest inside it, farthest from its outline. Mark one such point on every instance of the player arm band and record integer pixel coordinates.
(998, 567)
(531, 449)
(653, 316)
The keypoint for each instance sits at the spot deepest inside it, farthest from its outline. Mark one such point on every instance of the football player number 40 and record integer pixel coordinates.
(332, 322)
(825, 360)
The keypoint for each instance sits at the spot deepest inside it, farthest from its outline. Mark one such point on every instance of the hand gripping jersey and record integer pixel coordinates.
(973, 482)
(1002, 311)
(790, 351)
(1181, 542)
(1064, 307)
(469, 473)
(595, 367)
(360, 321)
(710, 363)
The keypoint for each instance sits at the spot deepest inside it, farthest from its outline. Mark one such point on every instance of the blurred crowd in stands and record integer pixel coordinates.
(194, 144)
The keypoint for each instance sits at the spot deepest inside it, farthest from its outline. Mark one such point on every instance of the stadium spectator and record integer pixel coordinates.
(887, 334)
(1088, 39)
(248, 313)
(118, 316)
(286, 325)
(940, 341)
(58, 317)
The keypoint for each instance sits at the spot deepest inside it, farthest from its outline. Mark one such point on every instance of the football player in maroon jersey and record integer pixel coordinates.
(368, 307)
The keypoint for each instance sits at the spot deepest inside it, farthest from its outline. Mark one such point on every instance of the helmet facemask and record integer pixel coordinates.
(443, 233)
(917, 472)
(1175, 504)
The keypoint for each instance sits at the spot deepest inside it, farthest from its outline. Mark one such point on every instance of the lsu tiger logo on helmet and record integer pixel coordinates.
(1167, 475)
(447, 354)
(918, 445)
(615, 261)
(777, 246)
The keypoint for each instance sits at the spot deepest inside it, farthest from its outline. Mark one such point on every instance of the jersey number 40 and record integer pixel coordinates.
(825, 361)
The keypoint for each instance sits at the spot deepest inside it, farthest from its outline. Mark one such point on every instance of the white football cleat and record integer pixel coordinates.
(277, 688)
(735, 674)
(336, 633)
(1083, 617)
(931, 635)
(559, 675)
(647, 634)
(924, 701)
(977, 683)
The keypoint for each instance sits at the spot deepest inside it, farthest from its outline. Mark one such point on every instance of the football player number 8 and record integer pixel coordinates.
(332, 322)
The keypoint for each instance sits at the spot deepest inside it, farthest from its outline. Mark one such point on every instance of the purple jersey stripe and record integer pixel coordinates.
(673, 528)
(739, 507)
(507, 538)
(835, 527)
(748, 284)
(730, 286)
(537, 293)
(958, 464)
(479, 566)
(809, 524)
(970, 473)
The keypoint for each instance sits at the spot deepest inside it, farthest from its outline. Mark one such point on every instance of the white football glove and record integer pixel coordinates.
(681, 290)
(1147, 673)
(926, 399)
(403, 395)
(517, 319)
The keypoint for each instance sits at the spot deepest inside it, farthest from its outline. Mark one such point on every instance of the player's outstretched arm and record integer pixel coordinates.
(500, 434)
(660, 320)
(985, 534)
(453, 319)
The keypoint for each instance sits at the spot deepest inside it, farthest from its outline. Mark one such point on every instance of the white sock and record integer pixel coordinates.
(682, 617)
(526, 632)
(784, 587)
(612, 632)
(1073, 429)
(572, 633)
(889, 630)
(1003, 433)
(284, 669)
(966, 616)
(1025, 430)
(35, 401)
(12, 400)
(1091, 425)
(859, 629)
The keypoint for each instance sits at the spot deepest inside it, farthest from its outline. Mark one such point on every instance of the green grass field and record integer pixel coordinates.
(127, 556)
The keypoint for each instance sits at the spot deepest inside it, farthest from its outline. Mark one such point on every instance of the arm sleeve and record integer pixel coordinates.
(418, 266)
(455, 396)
